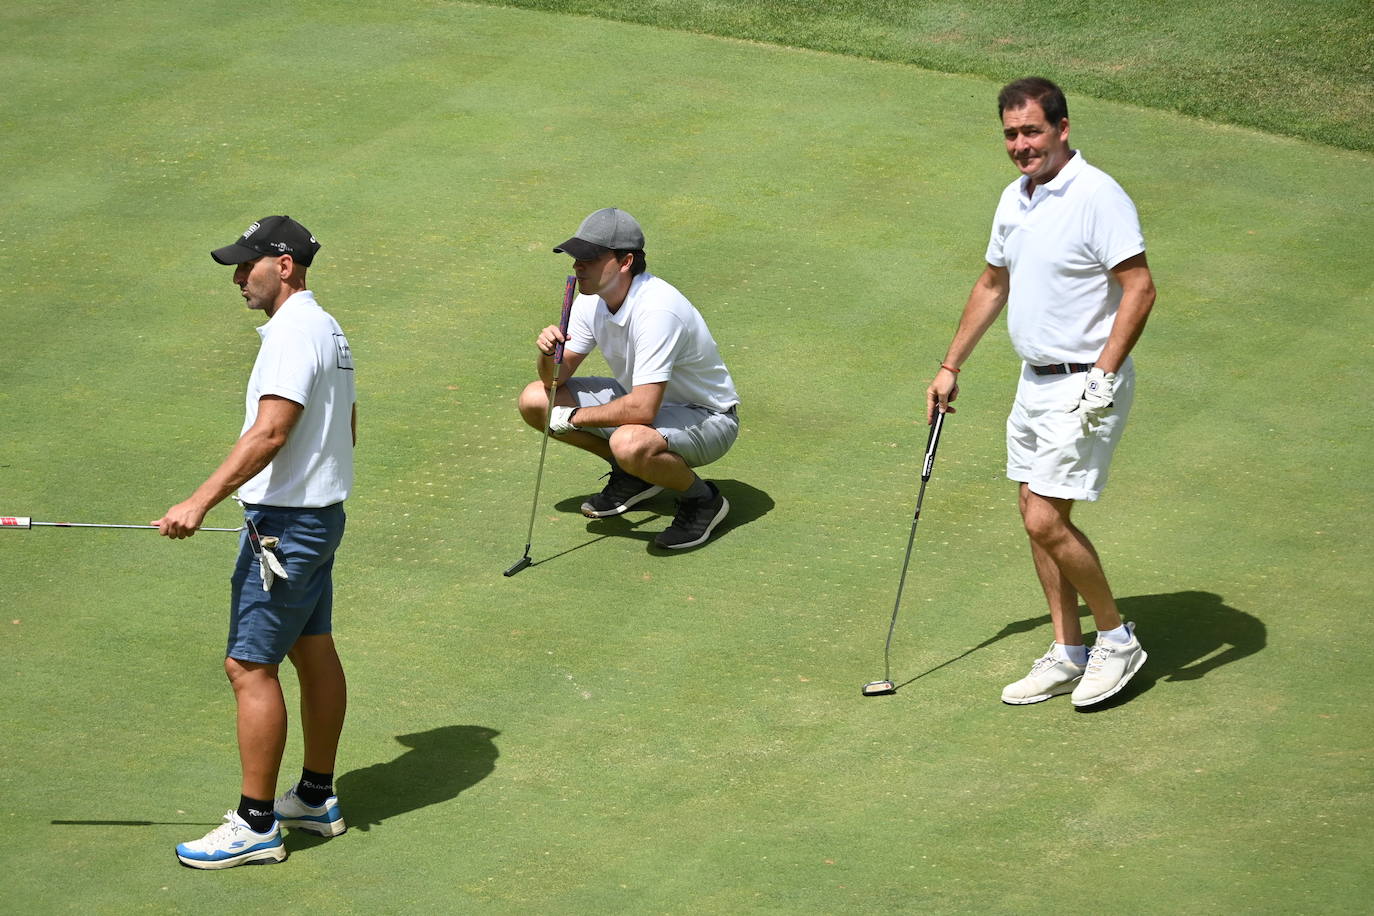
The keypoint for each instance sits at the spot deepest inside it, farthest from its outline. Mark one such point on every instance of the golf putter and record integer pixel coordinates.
(25, 523)
(886, 686)
(569, 293)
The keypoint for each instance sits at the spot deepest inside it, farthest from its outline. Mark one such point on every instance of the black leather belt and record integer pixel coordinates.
(1061, 368)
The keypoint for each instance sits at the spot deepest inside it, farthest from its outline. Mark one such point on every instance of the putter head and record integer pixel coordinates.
(519, 565)
(879, 688)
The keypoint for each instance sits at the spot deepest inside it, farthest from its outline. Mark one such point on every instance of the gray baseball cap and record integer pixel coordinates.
(608, 229)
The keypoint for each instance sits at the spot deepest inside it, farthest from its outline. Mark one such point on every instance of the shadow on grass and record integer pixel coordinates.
(1186, 634)
(747, 504)
(440, 764)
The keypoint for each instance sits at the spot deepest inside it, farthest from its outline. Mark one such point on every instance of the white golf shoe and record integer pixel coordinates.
(322, 820)
(1110, 668)
(232, 843)
(1050, 676)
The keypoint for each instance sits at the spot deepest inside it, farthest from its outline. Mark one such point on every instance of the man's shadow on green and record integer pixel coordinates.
(747, 504)
(1186, 635)
(439, 764)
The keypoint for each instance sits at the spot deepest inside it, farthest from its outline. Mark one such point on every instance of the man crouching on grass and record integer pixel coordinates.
(293, 468)
(671, 406)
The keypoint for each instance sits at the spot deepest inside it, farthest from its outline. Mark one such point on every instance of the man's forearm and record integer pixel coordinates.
(985, 303)
(1137, 299)
(638, 408)
(253, 452)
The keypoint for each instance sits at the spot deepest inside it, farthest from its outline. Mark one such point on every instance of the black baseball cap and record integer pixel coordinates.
(271, 236)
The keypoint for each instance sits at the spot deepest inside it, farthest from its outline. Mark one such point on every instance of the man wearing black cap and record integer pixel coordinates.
(671, 405)
(293, 468)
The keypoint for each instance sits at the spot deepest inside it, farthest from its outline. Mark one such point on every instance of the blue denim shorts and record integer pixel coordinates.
(263, 626)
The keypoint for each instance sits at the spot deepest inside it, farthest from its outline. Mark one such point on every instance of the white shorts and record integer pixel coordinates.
(1046, 446)
(698, 435)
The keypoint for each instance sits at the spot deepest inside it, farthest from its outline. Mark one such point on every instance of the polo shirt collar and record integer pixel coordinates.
(301, 300)
(622, 315)
(1068, 173)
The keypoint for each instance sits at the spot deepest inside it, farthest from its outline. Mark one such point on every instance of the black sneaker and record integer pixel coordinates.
(622, 492)
(696, 519)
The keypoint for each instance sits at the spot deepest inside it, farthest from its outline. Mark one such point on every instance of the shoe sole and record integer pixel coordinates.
(259, 857)
(319, 828)
(706, 535)
(1068, 688)
(623, 507)
(1125, 679)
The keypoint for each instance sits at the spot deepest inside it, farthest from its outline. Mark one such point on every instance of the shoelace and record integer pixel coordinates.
(1098, 656)
(696, 511)
(623, 485)
(223, 831)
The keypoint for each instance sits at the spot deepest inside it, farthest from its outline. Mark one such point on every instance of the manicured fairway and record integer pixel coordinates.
(614, 730)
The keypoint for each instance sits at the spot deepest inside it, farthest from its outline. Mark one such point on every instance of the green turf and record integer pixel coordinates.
(1300, 68)
(612, 730)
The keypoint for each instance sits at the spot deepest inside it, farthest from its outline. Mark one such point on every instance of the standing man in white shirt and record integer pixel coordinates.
(1067, 260)
(671, 406)
(293, 468)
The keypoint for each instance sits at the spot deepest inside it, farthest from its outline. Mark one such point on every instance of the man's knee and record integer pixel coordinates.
(633, 445)
(534, 403)
(315, 657)
(1046, 520)
(243, 673)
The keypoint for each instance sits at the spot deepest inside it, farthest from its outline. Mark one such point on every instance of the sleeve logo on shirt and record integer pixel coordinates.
(345, 354)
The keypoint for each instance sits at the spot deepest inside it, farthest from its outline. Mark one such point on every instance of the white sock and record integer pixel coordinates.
(1077, 655)
(1121, 636)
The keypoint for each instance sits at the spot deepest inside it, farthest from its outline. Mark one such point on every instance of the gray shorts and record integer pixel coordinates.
(698, 435)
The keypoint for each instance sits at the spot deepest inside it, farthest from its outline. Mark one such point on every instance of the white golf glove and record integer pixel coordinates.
(560, 421)
(268, 565)
(1096, 400)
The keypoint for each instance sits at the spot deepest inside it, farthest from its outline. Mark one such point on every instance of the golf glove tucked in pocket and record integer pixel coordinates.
(268, 565)
(1096, 400)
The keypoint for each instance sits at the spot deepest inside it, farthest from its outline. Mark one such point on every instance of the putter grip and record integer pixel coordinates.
(569, 293)
(932, 443)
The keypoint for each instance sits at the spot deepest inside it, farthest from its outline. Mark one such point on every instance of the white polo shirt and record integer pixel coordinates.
(304, 358)
(655, 336)
(1059, 246)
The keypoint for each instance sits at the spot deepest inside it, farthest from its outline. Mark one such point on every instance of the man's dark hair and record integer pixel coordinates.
(638, 267)
(1036, 89)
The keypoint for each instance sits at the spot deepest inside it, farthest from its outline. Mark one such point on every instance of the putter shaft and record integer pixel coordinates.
(932, 443)
(12, 522)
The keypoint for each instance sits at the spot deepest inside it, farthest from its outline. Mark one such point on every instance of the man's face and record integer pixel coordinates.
(1038, 147)
(261, 282)
(596, 276)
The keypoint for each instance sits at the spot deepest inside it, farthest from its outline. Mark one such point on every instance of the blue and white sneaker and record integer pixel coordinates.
(232, 843)
(325, 820)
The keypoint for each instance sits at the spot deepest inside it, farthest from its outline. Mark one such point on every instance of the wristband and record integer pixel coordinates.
(949, 367)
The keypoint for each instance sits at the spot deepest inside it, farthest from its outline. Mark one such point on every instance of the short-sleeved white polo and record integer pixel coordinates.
(1059, 246)
(655, 336)
(304, 358)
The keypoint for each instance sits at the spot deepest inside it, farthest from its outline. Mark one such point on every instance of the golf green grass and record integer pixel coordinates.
(1300, 68)
(614, 730)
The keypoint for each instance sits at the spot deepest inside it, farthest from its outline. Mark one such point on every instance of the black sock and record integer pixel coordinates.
(314, 787)
(698, 490)
(257, 813)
